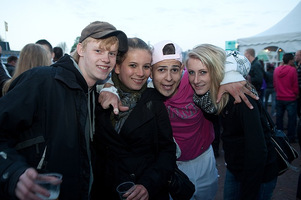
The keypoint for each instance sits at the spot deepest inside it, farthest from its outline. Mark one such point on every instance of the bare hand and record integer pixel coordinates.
(139, 193)
(107, 99)
(238, 91)
(26, 188)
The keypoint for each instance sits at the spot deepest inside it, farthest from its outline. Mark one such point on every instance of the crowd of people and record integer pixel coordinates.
(119, 110)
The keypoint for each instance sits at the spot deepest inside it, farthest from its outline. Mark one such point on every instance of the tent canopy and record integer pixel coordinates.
(286, 34)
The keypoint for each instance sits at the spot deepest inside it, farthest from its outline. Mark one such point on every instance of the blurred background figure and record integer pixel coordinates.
(47, 46)
(256, 72)
(32, 55)
(11, 64)
(270, 90)
(58, 53)
(4, 74)
(286, 86)
(298, 65)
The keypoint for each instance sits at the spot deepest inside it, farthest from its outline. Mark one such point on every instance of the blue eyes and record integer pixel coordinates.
(199, 73)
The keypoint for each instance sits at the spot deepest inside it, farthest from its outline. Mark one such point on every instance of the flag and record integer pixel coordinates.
(6, 26)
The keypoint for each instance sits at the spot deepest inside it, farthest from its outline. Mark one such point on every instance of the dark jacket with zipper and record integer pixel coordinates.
(143, 151)
(249, 153)
(46, 106)
(257, 74)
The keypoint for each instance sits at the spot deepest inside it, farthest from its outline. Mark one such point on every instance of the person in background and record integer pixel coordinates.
(270, 91)
(256, 73)
(46, 44)
(249, 154)
(58, 53)
(287, 90)
(4, 74)
(191, 131)
(298, 65)
(135, 145)
(264, 84)
(32, 55)
(11, 64)
(46, 118)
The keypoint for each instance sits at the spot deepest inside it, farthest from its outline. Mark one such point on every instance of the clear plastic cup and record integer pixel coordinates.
(51, 182)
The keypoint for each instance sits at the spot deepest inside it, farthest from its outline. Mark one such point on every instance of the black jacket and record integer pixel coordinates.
(46, 106)
(10, 69)
(257, 74)
(249, 153)
(269, 79)
(132, 154)
(3, 77)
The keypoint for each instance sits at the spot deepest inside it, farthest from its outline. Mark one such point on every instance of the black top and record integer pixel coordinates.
(249, 154)
(131, 154)
(46, 106)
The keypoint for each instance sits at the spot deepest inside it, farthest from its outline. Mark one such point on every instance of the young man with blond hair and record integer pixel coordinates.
(46, 120)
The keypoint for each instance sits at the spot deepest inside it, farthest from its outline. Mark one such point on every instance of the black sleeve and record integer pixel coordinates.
(3, 78)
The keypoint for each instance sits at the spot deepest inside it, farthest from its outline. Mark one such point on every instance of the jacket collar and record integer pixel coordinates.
(68, 73)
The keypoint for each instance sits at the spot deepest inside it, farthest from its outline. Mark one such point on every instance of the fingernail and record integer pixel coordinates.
(116, 111)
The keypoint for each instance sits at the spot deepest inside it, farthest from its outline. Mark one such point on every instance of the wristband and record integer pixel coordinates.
(111, 89)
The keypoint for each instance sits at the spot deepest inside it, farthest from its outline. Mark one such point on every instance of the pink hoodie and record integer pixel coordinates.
(286, 83)
(191, 130)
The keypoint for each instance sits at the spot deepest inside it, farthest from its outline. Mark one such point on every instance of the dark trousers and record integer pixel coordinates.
(291, 108)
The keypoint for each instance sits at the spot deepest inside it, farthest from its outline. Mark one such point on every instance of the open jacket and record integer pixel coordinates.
(46, 106)
(143, 151)
(249, 153)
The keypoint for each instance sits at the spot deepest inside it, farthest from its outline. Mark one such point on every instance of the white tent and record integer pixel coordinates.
(286, 35)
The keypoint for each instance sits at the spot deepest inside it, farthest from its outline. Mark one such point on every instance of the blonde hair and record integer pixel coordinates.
(214, 58)
(105, 43)
(32, 55)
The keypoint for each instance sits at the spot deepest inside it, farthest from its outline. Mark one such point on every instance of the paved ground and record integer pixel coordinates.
(286, 187)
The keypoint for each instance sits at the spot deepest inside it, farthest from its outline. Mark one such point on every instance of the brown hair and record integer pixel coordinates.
(251, 52)
(133, 43)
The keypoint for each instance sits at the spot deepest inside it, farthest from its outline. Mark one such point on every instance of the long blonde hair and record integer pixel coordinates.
(32, 55)
(214, 58)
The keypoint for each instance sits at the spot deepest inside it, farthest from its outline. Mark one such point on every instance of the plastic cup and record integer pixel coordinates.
(124, 188)
(51, 182)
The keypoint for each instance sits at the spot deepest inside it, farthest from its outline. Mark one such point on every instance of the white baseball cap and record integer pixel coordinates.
(157, 52)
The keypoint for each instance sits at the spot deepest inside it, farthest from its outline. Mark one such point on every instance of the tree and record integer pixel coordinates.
(76, 41)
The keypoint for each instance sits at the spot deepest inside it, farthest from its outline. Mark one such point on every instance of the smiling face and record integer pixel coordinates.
(135, 68)
(199, 77)
(96, 62)
(167, 76)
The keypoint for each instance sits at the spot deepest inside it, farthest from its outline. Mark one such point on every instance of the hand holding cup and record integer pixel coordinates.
(51, 182)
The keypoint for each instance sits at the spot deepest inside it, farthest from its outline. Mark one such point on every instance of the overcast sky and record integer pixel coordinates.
(186, 22)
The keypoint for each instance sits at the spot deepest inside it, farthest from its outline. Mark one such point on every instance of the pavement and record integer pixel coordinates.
(286, 187)
(287, 183)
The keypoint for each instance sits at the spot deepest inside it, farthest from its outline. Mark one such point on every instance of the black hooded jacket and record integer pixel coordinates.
(46, 107)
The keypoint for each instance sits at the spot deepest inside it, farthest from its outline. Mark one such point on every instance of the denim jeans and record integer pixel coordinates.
(291, 108)
(268, 92)
(232, 188)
